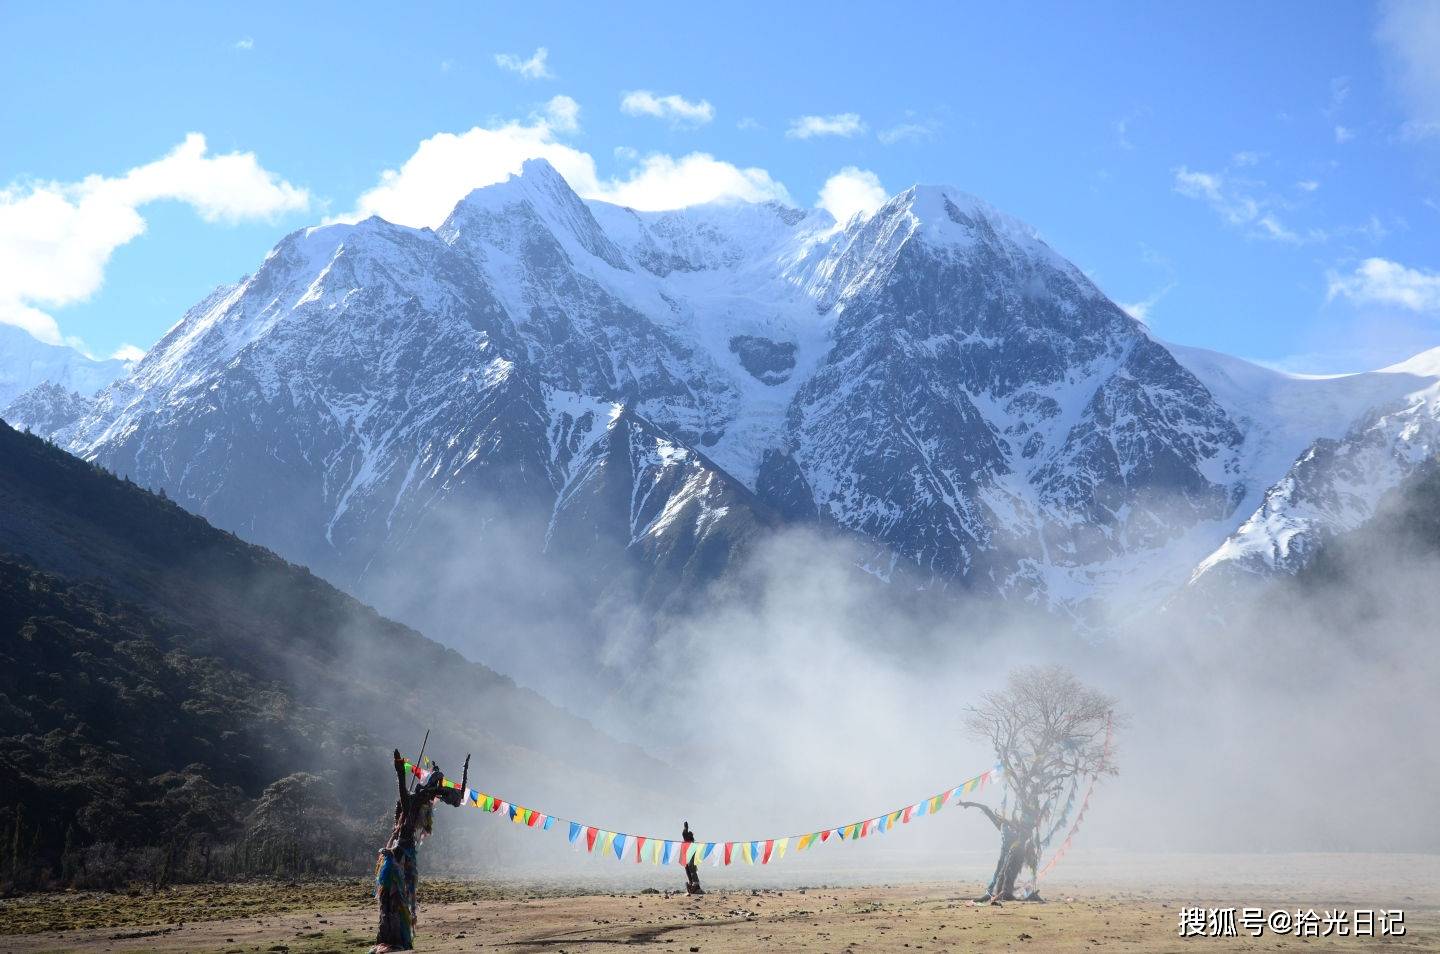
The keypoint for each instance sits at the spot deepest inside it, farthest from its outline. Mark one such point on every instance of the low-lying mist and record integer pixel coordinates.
(802, 693)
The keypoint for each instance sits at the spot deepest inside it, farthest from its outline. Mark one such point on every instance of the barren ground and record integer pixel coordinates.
(1099, 908)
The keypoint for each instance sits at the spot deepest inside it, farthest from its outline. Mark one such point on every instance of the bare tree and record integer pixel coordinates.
(1049, 730)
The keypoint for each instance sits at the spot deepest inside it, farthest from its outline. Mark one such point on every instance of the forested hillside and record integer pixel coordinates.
(175, 702)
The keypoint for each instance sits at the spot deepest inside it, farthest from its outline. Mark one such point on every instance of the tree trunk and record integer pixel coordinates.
(1013, 857)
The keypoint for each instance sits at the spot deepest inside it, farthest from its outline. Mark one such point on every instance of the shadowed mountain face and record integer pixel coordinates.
(548, 406)
(145, 651)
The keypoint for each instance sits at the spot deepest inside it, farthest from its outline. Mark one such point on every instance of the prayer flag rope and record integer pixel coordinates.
(1084, 807)
(663, 851)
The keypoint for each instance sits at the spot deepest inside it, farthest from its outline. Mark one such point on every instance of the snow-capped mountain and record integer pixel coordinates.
(45, 409)
(1366, 433)
(544, 382)
(26, 362)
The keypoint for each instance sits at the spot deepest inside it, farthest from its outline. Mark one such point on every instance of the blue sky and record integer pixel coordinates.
(1259, 179)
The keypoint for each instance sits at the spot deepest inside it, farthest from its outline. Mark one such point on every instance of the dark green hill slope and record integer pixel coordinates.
(157, 674)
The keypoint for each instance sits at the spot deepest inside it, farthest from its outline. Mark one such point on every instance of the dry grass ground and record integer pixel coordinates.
(1104, 913)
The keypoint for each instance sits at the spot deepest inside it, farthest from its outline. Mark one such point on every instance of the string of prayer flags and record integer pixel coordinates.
(661, 851)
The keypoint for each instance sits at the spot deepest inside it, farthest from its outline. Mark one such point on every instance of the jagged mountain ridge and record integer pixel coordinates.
(934, 379)
(46, 408)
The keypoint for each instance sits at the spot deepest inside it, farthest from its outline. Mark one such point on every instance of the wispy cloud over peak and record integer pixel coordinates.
(535, 67)
(1379, 281)
(906, 132)
(563, 114)
(1241, 203)
(672, 107)
(446, 167)
(837, 124)
(850, 192)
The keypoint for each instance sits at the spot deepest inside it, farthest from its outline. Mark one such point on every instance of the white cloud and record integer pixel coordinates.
(1234, 203)
(673, 108)
(1245, 158)
(663, 182)
(128, 352)
(40, 324)
(906, 132)
(1409, 31)
(246, 43)
(1272, 227)
(851, 192)
(1307, 185)
(840, 124)
(1378, 281)
(56, 238)
(448, 166)
(562, 114)
(1344, 134)
(1209, 186)
(533, 68)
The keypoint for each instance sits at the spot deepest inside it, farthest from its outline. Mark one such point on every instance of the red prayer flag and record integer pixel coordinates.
(769, 847)
(639, 844)
(729, 846)
(590, 833)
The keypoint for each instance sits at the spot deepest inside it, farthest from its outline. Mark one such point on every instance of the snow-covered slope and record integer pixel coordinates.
(636, 396)
(1358, 436)
(26, 362)
(45, 409)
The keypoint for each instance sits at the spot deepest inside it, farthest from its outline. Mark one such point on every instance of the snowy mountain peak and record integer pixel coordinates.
(1426, 364)
(45, 409)
(653, 387)
(511, 215)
